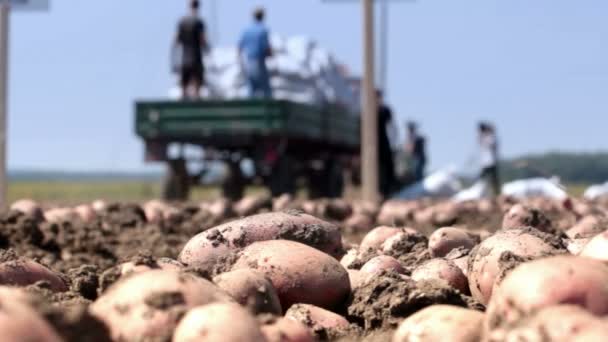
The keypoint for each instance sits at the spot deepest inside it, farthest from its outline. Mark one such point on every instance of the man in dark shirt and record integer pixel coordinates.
(189, 44)
(386, 170)
(416, 150)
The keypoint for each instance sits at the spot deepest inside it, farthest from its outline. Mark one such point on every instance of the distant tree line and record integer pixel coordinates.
(587, 168)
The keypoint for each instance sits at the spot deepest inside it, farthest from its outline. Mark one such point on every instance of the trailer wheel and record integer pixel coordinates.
(233, 186)
(282, 180)
(176, 184)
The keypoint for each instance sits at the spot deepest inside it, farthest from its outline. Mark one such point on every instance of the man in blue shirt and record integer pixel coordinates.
(254, 48)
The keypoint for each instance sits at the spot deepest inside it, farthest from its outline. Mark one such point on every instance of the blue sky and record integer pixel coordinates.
(537, 68)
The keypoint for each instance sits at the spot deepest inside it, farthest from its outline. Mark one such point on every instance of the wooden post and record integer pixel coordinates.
(369, 121)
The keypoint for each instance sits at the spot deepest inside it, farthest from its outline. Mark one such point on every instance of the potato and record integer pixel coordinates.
(588, 226)
(206, 250)
(287, 330)
(252, 289)
(131, 267)
(299, 273)
(219, 209)
(28, 207)
(338, 209)
(597, 247)
(501, 252)
(59, 215)
(21, 272)
(397, 212)
(444, 271)
(366, 208)
(317, 319)
(382, 263)
(575, 246)
(312, 208)
(358, 223)
(19, 322)
(154, 210)
(520, 216)
(554, 323)
(374, 239)
(402, 242)
(444, 240)
(350, 258)
(85, 212)
(151, 303)
(282, 202)
(99, 206)
(463, 264)
(556, 280)
(252, 204)
(357, 278)
(441, 323)
(218, 322)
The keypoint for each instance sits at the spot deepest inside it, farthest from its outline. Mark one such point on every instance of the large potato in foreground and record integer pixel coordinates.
(440, 323)
(538, 284)
(218, 322)
(148, 305)
(587, 227)
(299, 273)
(19, 322)
(555, 323)
(317, 318)
(501, 252)
(597, 247)
(210, 248)
(287, 330)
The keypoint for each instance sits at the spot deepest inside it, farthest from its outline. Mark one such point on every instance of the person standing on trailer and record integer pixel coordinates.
(488, 144)
(187, 53)
(254, 49)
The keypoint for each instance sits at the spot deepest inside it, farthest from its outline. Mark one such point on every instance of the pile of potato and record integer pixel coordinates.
(286, 270)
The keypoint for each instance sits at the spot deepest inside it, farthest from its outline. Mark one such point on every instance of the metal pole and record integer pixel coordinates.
(369, 143)
(4, 35)
(214, 22)
(384, 15)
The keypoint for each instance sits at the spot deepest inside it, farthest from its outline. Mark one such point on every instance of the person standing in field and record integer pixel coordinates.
(386, 168)
(416, 150)
(254, 48)
(188, 46)
(488, 144)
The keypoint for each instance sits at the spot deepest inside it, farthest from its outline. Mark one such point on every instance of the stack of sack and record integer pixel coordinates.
(597, 191)
(300, 71)
(535, 187)
(440, 184)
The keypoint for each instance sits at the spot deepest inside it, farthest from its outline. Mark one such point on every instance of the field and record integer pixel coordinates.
(72, 192)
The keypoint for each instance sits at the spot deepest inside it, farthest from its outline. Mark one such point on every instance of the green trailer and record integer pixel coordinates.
(289, 143)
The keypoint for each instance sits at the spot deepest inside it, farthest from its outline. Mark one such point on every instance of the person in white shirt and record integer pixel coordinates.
(488, 144)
